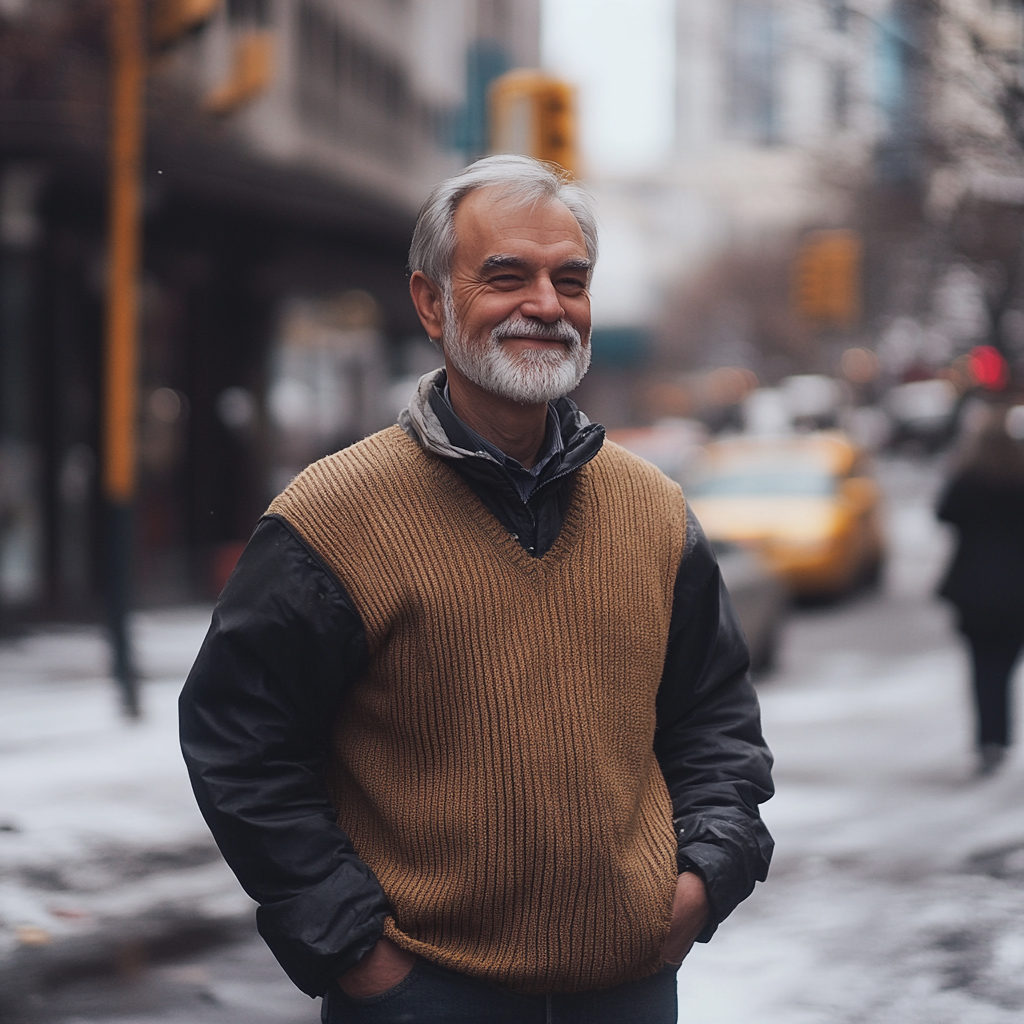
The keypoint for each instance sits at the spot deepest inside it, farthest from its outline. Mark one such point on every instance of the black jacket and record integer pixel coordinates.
(285, 644)
(985, 579)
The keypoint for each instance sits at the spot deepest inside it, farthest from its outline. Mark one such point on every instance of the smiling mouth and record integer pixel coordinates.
(531, 340)
(529, 332)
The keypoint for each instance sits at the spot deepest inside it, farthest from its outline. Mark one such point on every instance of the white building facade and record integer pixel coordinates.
(781, 108)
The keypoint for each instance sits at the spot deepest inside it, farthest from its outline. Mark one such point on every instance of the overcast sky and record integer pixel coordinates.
(619, 53)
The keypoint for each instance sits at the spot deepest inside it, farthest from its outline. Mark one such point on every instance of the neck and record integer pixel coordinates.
(517, 430)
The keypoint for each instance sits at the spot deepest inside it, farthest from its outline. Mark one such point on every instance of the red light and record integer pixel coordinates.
(989, 367)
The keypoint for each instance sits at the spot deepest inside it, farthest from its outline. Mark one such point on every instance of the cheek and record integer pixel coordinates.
(577, 310)
(485, 315)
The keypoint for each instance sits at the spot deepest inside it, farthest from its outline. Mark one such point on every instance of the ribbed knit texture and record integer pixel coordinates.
(495, 765)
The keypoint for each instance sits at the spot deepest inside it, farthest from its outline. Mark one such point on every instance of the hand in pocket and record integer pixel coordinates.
(689, 915)
(385, 966)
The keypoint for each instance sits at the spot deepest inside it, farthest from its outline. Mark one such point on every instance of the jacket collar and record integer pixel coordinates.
(581, 439)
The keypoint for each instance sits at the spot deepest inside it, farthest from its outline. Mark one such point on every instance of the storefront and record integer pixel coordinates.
(267, 340)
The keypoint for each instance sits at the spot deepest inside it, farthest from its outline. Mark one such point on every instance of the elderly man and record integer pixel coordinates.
(472, 722)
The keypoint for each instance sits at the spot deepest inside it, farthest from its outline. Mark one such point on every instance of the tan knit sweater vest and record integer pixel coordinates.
(494, 766)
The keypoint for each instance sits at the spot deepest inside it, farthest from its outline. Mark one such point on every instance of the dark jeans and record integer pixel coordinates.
(432, 995)
(993, 655)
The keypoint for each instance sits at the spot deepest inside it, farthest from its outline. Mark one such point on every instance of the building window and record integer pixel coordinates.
(249, 12)
(347, 84)
(838, 14)
(753, 101)
(840, 97)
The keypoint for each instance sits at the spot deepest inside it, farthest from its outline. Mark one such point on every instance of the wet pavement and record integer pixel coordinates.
(897, 889)
(237, 984)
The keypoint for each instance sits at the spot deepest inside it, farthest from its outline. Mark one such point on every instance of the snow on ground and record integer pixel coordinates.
(897, 890)
(97, 819)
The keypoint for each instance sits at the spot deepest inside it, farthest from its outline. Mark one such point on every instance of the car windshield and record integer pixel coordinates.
(724, 547)
(781, 482)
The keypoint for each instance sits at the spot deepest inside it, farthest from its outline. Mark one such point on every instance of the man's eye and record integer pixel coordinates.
(571, 284)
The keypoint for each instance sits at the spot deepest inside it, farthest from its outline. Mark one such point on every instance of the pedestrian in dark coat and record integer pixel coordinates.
(984, 500)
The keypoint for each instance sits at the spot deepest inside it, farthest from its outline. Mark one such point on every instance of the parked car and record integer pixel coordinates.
(805, 502)
(923, 412)
(759, 595)
(760, 598)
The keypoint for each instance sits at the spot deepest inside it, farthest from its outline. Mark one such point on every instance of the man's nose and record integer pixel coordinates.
(543, 301)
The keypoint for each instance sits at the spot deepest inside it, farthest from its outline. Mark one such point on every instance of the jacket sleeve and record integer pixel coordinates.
(708, 743)
(255, 718)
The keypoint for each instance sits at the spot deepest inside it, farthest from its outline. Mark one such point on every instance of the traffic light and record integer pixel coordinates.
(252, 57)
(988, 367)
(826, 278)
(172, 19)
(534, 114)
(252, 70)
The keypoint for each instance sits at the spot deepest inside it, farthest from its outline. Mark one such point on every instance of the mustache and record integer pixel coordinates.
(520, 327)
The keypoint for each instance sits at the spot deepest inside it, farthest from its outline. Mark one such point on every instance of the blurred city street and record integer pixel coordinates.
(236, 239)
(897, 887)
(896, 893)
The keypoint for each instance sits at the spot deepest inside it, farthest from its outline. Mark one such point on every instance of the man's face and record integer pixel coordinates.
(517, 315)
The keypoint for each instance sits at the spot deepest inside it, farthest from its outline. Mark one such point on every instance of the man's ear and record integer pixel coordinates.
(429, 302)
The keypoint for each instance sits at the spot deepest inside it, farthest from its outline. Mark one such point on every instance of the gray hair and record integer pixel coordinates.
(520, 179)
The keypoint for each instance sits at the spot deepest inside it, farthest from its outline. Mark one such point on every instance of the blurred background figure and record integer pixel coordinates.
(984, 500)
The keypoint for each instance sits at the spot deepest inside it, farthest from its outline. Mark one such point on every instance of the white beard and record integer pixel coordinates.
(529, 377)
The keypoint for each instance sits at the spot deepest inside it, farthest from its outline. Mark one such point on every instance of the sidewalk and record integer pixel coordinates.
(896, 893)
(104, 858)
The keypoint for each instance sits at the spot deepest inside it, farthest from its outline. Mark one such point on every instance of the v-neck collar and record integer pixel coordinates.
(449, 479)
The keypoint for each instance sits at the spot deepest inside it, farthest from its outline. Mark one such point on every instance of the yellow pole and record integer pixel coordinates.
(129, 68)
(128, 73)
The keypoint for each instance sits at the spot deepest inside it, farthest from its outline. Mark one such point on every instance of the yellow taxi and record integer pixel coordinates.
(805, 502)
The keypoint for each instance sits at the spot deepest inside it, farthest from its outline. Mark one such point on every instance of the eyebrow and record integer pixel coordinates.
(579, 263)
(500, 260)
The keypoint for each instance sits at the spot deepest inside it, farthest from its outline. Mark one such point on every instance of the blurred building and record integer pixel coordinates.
(289, 145)
(969, 291)
(782, 105)
(783, 110)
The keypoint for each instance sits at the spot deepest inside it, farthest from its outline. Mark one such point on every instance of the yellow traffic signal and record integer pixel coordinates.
(252, 71)
(534, 114)
(826, 278)
(171, 19)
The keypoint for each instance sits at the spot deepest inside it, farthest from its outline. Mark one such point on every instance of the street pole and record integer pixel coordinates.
(128, 74)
